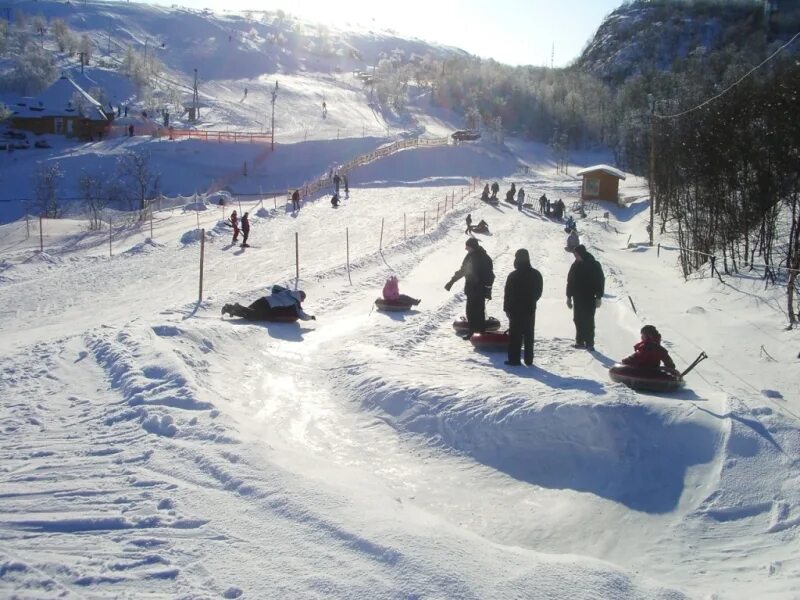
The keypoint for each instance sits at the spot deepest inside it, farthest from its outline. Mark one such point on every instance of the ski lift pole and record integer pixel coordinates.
(701, 357)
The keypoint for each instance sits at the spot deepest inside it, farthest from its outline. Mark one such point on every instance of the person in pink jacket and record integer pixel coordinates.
(391, 292)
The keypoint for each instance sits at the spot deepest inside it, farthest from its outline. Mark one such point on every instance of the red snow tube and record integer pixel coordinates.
(651, 380)
(282, 314)
(392, 305)
(461, 325)
(491, 341)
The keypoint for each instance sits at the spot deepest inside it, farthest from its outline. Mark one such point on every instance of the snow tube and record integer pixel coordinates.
(479, 229)
(651, 380)
(461, 325)
(392, 305)
(282, 314)
(490, 341)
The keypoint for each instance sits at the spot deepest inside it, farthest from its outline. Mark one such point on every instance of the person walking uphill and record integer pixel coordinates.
(478, 273)
(523, 290)
(585, 288)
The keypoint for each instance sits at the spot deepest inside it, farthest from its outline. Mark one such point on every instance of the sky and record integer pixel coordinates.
(515, 32)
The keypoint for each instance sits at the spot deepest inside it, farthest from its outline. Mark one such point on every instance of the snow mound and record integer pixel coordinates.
(192, 236)
(195, 206)
(145, 247)
(163, 425)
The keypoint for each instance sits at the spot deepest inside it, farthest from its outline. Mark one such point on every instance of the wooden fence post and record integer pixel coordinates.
(380, 244)
(437, 213)
(347, 236)
(202, 254)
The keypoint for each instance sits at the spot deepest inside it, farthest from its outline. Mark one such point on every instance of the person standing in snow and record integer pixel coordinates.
(469, 224)
(585, 288)
(275, 304)
(495, 189)
(346, 186)
(523, 290)
(245, 229)
(511, 193)
(296, 200)
(478, 273)
(336, 181)
(543, 203)
(235, 225)
(520, 198)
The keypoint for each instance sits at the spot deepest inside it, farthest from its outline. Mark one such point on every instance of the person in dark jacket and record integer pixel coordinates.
(296, 200)
(511, 194)
(245, 229)
(649, 353)
(478, 273)
(280, 302)
(495, 189)
(485, 193)
(469, 224)
(523, 290)
(585, 288)
(336, 181)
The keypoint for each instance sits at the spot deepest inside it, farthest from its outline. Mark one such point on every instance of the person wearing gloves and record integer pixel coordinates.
(265, 307)
(478, 273)
(523, 290)
(649, 353)
(585, 288)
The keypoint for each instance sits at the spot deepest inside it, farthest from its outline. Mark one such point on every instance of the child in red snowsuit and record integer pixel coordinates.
(649, 353)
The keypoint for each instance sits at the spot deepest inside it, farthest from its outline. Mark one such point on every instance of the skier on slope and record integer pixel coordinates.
(280, 301)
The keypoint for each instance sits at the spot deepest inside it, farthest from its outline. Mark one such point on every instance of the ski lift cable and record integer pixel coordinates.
(733, 85)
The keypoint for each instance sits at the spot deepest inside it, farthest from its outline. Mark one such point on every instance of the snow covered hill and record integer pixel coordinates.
(152, 447)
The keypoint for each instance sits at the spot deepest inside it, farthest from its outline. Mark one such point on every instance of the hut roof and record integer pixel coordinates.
(605, 168)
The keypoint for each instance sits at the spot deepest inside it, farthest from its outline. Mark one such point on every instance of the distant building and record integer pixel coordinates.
(600, 182)
(63, 109)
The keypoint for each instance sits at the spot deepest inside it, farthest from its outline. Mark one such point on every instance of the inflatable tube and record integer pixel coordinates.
(477, 229)
(651, 380)
(392, 305)
(461, 325)
(490, 341)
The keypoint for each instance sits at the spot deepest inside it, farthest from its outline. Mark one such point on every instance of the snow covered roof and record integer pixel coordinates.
(605, 168)
(59, 101)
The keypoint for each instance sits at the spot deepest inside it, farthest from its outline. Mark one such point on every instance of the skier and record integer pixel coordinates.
(235, 225)
(296, 200)
(649, 353)
(276, 303)
(585, 288)
(520, 198)
(335, 201)
(523, 290)
(391, 292)
(469, 224)
(478, 273)
(495, 189)
(336, 181)
(245, 229)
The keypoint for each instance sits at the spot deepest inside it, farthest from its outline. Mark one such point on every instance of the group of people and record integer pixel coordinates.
(548, 208)
(585, 288)
(245, 228)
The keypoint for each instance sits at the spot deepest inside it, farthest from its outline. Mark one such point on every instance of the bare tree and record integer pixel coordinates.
(94, 196)
(136, 170)
(47, 177)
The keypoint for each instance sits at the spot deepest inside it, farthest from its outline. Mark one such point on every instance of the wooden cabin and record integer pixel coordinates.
(600, 182)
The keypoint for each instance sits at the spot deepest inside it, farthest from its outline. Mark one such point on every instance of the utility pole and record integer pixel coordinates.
(195, 98)
(274, 96)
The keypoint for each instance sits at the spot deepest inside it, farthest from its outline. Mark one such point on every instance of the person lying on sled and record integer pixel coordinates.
(280, 302)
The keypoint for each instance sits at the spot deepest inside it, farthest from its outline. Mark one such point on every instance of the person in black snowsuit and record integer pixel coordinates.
(245, 229)
(478, 273)
(511, 194)
(281, 302)
(495, 189)
(469, 224)
(523, 290)
(296, 200)
(585, 288)
(336, 180)
(543, 203)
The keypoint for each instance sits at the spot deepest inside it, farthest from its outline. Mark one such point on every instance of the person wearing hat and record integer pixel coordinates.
(649, 353)
(585, 288)
(478, 273)
(265, 307)
(523, 290)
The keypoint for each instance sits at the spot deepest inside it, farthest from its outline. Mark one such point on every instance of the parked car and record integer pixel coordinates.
(465, 135)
